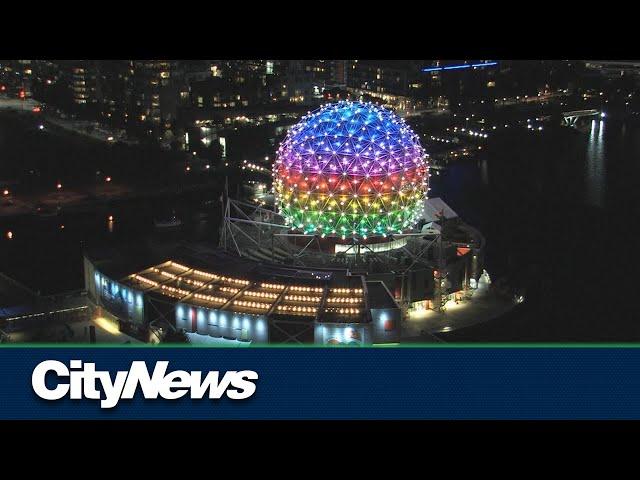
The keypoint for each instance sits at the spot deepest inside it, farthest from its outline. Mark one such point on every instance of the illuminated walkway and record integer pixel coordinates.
(480, 308)
(17, 104)
(107, 332)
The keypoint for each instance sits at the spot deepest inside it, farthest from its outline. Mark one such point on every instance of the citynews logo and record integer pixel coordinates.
(82, 381)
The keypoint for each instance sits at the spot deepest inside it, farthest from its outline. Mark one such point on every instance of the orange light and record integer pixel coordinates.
(5, 192)
(111, 218)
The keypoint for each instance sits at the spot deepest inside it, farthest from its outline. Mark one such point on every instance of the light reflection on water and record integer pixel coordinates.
(595, 166)
(484, 171)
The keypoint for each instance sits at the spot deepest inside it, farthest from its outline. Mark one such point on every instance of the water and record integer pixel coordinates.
(45, 252)
(557, 208)
(47, 257)
(595, 167)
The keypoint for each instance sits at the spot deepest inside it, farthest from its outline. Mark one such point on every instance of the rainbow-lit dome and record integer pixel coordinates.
(350, 169)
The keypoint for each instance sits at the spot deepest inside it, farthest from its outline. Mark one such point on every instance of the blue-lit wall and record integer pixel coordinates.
(222, 323)
(342, 334)
(123, 302)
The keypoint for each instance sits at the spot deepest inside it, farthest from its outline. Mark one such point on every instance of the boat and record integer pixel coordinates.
(165, 223)
(172, 222)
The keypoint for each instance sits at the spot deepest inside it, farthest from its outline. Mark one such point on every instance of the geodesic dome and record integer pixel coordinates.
(350, 169)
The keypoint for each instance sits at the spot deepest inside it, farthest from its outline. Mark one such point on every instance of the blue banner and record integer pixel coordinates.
(321, 383)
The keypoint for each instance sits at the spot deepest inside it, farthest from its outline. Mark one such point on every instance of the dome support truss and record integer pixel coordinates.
(256, 232)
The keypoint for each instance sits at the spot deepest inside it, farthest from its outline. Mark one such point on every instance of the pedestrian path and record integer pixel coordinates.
(481, 307)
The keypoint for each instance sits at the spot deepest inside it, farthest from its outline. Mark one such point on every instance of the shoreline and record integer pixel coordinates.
(91, 195)
(78, 201)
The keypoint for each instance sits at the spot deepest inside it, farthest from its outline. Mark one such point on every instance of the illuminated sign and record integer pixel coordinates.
(460, 67)
(83, 381)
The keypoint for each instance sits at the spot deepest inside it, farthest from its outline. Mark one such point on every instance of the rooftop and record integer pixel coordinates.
(212, 278)
(13, 293)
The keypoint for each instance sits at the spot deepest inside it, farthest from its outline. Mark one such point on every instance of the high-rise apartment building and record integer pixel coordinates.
(154, 94)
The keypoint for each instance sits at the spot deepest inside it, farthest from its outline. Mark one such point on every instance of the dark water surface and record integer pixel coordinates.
(45, 252)
(559, 209)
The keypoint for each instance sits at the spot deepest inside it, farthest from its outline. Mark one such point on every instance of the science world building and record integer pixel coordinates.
(350, 245)
(351, 170)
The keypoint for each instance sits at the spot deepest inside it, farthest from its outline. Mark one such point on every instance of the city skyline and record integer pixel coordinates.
(218, 167)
